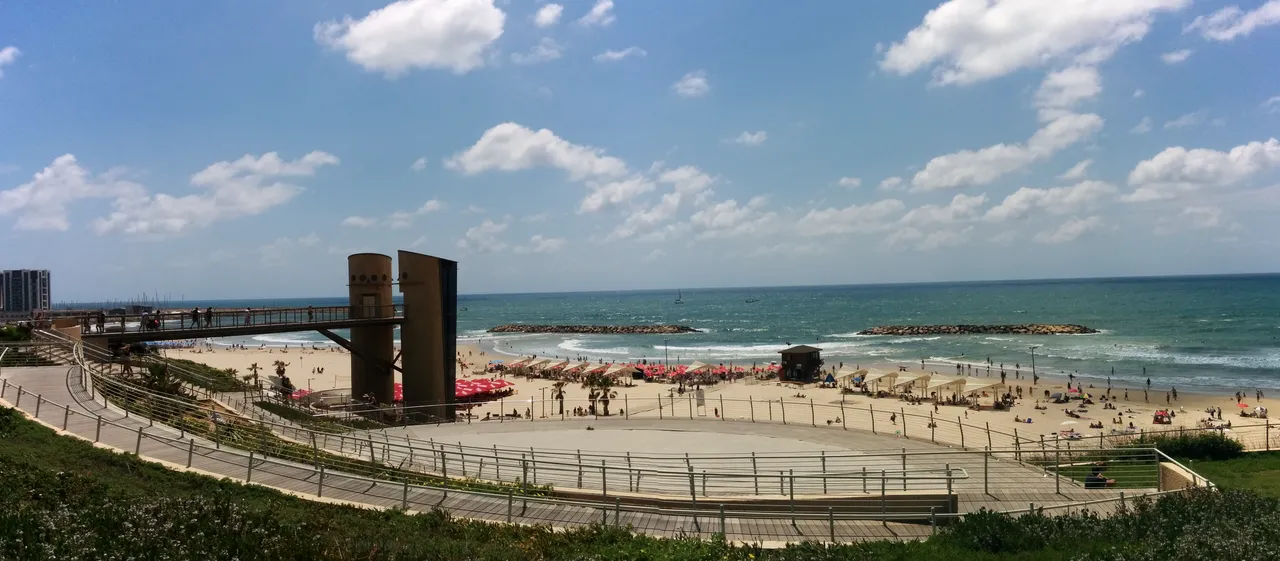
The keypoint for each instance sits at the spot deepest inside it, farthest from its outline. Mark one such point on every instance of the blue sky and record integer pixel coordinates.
(234, 149)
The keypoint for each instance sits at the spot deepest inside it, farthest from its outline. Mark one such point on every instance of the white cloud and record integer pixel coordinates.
(540, 217)
(968, 167)
(1058, 200)
(968, 41)
(693, 84)
(614, 56)
(871, 217)
(689, 185)
(1188, 120)
(891, 183)
(7, 56)
(483, 238)
(1061, 91)
(400, 220)
(546, 50)
(750, 138)
(654, 255)
(246, 187)
(1070, 230)
(789, 249)
(1231, 22)
(548, 15)
(1143, 126)
(1176, 57)
(540, 244)
(1077, 171)
(1176, 169)
(473, 209)
(850, 182)
(279, 251)
(609, 195)
(420, 242)
(513, 147)
(409, 34)
(1207, 218)
(728, 219)
(359, 221)
(1138, 93)
(919, 241)
(601, 15)
(42, 203)
(1272, 105)
(418, 164)
(961, 208)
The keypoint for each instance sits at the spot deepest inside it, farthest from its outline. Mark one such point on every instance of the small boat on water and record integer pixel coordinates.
(679, 297)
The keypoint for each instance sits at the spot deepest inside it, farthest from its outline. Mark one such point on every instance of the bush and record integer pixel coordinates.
(1198, 445)
(15, 333)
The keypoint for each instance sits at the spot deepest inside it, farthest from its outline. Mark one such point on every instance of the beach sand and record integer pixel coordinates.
(1189, 408)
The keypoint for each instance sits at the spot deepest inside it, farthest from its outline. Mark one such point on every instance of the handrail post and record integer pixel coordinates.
(813, 414)
(249, 476)
(191, 451)
(933, 521)
(66, 416)
(792, 495)
(137, 448)
(883, 495)
(659, 406)
(752, 404)
(404, 496)
(961, 423)
(949, 480)
(903, 410)
(723, 533)
(755, 475)
(831, 523)
(989, 445)
(320, 484)
(783, 406)
(97, 432)
(986, 456)
(872, 412)
(510, 501)
(843, 424)
(39, 400)
(1057, 470)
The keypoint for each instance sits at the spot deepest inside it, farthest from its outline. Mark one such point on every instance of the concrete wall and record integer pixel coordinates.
(428, 334)
(369, 286)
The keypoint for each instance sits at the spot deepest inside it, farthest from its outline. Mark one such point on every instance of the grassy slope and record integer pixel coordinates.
(1256, 471)
(81, 502)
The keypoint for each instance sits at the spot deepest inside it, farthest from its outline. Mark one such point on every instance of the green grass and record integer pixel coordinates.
(207, 377)
(61, 498)
(313, 422)
(1258, 472)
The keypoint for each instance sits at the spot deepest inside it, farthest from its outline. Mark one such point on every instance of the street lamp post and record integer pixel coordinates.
(666, 356)
(1033, 365)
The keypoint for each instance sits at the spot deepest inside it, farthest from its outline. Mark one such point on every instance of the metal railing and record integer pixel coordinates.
(224, 318)
(699, 519)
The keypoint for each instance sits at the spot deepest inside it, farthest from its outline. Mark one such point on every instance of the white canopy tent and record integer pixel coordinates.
(849, 373)
(554, 364)
(912, 382)
(597, 368)
(536, 363)
(619, 369)
(522, 361)
(974, 385)
(945, 387)
(881, 378)
(697, 367)
(575, 365)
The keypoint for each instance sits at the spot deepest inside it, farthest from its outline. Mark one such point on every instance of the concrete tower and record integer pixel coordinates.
(374, 345)
(429, 331)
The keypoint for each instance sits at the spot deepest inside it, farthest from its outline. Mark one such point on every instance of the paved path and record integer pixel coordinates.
(65, 403)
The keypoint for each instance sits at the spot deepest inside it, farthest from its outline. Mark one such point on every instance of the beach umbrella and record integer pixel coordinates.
(1069, 422)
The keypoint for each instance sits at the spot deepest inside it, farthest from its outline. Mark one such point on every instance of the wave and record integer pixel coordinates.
(902, 340)
(577, 346)
(849, 335)
(275, 340)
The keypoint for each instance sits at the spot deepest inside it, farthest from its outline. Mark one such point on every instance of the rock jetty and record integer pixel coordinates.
(594, 329)
(1020, 329)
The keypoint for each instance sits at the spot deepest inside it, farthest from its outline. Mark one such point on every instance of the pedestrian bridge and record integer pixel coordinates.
(112, 329)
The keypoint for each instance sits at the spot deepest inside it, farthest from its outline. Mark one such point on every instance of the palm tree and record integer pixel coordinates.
(157, 378)
(254, 368)
(557, 393)
(280, 366)
(606, 393)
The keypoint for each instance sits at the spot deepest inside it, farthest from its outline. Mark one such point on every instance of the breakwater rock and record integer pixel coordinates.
(1020, 329)
(593, 329)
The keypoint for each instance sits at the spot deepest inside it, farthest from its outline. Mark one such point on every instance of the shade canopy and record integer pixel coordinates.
(697, 367)
(554, 364)
(846, 373)
(597, 368)
(941, 383)
(972, 385)
(880, 377)
(536, 363)
(619, 369)
(912, 381)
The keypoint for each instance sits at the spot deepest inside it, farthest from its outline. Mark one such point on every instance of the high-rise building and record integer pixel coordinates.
(24, 290)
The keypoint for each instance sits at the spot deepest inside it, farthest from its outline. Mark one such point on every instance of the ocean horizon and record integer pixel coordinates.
(1207, 331)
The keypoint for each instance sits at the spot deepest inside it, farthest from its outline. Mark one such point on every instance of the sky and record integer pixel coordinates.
(243, 149)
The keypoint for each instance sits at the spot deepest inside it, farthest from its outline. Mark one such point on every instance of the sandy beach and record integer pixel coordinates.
(1189, 407)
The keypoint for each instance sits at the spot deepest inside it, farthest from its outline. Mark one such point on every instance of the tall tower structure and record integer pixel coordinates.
(429, 331)
(369, 289)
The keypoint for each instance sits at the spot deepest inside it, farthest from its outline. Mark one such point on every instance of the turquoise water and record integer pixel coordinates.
(1212, 332)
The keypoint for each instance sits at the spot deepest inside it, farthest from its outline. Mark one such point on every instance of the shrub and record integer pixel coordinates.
(1198, 445)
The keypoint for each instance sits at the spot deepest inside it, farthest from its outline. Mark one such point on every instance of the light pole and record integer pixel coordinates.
(666, 356)
(1033, 365)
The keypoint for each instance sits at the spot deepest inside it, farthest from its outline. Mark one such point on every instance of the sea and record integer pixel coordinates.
(1208, 332)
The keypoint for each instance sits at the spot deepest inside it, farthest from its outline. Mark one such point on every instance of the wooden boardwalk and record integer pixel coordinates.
(63, 403)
